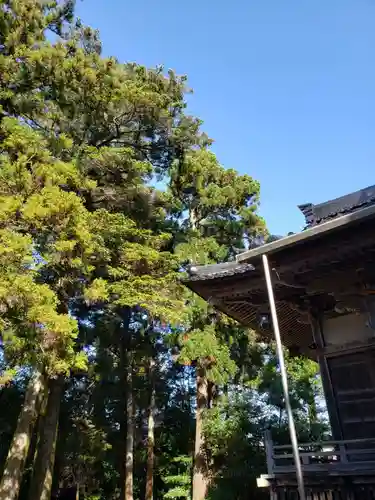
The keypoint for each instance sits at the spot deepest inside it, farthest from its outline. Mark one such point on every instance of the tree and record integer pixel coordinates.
(127, 278)
(221, 207)
(41, 484)
(92, 310)
(35, 330)
(124, 123)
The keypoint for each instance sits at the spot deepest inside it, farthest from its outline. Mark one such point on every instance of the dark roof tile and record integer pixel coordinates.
(213, 271)
(317, 214)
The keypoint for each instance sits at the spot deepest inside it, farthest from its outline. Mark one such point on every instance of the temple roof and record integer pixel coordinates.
(316, 266)
(214, 271)
(323, 212)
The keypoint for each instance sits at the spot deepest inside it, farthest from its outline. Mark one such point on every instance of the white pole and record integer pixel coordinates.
(284, 379)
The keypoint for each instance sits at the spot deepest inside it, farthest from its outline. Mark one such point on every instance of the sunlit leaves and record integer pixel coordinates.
(204, 348)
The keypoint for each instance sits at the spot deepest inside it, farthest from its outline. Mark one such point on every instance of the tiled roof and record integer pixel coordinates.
(317, 214)
(213, 271)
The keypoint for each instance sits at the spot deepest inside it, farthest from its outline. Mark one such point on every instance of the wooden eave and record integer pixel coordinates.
(320, 268)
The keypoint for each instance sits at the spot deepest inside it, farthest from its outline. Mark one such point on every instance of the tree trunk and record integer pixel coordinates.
(211, 394)
(11, 481)
(127, 422)
(130, 428)
(200, 476)
(280, 416)
(313, 417)
(40, 425)
(150, 435)
(226, 399)
(41, 483)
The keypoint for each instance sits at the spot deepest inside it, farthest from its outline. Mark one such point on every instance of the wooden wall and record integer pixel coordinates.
(346, 330)
(347, 362)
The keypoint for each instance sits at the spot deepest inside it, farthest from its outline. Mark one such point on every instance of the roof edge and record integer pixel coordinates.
(310, 233)
(348, 203)
(211, 271)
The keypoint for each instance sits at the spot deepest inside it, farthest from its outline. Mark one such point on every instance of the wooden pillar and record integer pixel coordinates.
(334, 417)
(268, 444)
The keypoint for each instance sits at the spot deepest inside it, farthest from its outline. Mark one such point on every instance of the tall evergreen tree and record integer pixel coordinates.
(221, 219)
(92, 311)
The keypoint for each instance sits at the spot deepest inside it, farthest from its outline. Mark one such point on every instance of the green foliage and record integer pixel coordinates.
(83, 450)
(203, 347)
(85, 236)
(222, 204)
(179, 484)
(38, 217)
(201, 251)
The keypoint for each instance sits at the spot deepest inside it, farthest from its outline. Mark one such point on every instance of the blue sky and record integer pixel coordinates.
(285, 88)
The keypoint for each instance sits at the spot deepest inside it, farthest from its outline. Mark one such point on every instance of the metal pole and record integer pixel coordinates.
(284, 379)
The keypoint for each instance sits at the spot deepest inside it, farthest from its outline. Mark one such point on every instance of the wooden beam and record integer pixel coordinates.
(327, 229)
(333, 412)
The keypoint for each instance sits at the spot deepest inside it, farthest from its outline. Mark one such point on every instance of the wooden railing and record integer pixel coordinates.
(333, 457)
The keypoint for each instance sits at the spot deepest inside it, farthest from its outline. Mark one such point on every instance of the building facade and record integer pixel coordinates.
(323, 282)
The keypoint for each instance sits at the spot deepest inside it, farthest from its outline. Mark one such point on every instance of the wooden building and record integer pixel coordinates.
(324, 287)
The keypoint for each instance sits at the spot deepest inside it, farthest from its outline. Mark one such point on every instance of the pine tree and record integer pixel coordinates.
(118, 125)
(90, 293)
(222, 219)
(35, 330)
(96, 256)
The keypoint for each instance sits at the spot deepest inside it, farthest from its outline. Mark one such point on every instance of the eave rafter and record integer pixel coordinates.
(333, 274)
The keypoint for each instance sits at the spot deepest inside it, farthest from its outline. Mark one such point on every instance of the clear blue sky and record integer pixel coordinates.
(285, 88)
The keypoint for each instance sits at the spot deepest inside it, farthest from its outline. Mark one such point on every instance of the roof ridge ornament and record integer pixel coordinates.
(308, 211)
